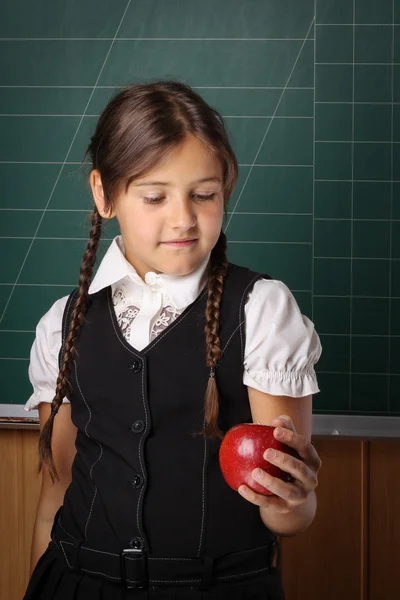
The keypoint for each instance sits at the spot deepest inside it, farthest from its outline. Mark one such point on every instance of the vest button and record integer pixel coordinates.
(136, 542)
(137, 481)
(135, 366)
(137, 426)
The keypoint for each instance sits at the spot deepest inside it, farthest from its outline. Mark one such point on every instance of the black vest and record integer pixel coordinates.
(142, 475)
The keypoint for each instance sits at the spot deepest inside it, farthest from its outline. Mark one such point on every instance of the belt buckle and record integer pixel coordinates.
(140, 565)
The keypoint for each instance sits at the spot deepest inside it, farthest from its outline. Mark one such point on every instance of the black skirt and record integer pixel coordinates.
(52, 579)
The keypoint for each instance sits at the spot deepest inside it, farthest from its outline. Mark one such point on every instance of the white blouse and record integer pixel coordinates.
(281, 345)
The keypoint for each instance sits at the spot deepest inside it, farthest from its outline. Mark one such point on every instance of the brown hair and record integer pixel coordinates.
(137, 129)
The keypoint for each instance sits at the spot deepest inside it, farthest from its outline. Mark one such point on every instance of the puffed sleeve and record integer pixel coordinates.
(43, 366)
(281, 345)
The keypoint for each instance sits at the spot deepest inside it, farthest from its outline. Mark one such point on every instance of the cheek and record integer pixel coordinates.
(137, 225)
(213, 220)
(212, 212)
(143, 232)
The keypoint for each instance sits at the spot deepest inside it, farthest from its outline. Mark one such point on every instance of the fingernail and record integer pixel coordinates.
(242, 490)
(270, 453)
(279, 432)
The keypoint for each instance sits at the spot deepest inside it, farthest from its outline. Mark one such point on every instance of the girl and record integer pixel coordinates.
(167, 348)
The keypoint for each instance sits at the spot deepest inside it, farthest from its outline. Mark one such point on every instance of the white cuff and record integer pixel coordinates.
(295, 384)
(42, 396)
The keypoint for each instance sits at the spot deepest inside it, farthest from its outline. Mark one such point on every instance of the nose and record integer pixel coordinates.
(182, 215)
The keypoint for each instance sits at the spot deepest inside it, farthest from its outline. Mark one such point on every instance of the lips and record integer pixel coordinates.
(180, 243)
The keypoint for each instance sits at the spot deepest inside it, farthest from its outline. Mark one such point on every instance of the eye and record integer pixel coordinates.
(205, 197)
(152, 200)
(157, 200)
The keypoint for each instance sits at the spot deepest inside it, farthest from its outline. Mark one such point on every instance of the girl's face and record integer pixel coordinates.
(171, 218)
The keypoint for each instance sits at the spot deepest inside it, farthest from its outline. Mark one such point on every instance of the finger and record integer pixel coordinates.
(298, 469)
(263, 501)
(304, 447)
(290, 492)
(284, 421)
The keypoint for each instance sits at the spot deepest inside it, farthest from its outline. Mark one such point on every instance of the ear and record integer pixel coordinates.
(107, 212)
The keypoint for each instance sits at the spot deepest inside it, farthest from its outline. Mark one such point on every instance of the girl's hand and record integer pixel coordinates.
(287, 495)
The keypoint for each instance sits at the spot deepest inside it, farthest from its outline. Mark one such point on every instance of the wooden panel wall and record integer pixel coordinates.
(326, 559)
(19, 492)
(349, 552)
(384, 572)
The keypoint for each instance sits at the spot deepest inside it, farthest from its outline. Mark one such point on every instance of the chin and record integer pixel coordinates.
(179, 272)
(181, 268)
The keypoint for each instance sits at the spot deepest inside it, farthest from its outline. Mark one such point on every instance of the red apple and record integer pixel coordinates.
(242, 450)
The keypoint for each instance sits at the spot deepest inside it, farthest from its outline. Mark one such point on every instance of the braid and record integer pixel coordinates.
(218, 269)
(77, 320)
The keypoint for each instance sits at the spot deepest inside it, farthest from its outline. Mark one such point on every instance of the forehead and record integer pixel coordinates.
(189, 162)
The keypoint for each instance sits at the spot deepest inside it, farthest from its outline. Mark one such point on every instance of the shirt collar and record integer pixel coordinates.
(181, 290)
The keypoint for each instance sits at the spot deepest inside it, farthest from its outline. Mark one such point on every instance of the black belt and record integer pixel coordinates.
(134, 568)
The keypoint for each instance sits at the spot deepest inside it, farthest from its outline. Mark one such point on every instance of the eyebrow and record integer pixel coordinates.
(168, 183)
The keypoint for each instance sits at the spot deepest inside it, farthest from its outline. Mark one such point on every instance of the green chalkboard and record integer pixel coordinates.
(311, 96)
